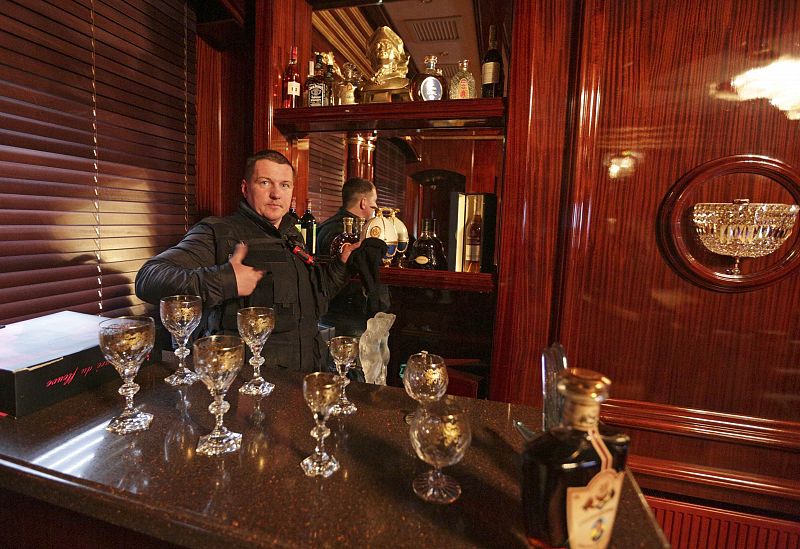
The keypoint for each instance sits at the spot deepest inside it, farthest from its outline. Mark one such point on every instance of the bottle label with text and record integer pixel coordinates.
(490, 72)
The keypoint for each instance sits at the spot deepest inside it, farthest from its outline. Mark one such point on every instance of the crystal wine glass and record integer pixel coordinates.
(217, 360)
(255, 324)
(181, 314)
(320, 389)
(425, 379)
(344, 351)
(440, 434)
(125, 342)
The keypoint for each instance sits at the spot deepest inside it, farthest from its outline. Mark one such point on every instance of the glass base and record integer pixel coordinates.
(132, 423)
(182, 376)
(343, 409)
(257, 387)
(323, 465)
(443, 489)
(218, 444)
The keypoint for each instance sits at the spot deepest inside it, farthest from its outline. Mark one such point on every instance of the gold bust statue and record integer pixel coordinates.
(390, 63)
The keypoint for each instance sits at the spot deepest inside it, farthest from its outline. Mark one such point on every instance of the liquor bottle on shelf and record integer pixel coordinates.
(293, 212)
(572, 475)
(472, 243)
(492, 68)
(310, 75)
(315, 85)
(308, 228)
(428, 251)
(291, 82)
(428, 85)
(330, 81)
(462, 84)
(348, 236)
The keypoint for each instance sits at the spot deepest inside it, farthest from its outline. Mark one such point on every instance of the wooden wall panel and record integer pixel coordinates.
(622, 309)
(224, 122)
(539, 102)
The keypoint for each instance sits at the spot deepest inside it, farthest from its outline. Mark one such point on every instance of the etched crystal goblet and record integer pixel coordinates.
(344, 350)
(440, 434)
(217, 360)
(255, 324)
(125, 342)
(320, 389)
(180, 315)
(425, 379)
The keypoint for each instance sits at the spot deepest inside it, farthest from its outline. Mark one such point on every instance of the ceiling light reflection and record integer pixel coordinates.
(778, 82)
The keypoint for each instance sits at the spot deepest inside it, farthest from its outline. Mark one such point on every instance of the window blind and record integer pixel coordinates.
(326, 174)
(390, 176)
(97, 149)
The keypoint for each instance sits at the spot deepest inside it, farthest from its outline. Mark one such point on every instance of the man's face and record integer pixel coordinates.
(367, 204)
(269, 191)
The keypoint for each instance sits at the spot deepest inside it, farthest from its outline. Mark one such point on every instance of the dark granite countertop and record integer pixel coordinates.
(153, 482)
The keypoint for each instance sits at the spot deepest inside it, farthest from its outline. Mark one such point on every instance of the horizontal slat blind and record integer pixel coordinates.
(326, 174)
(80, 79)
(390, 177)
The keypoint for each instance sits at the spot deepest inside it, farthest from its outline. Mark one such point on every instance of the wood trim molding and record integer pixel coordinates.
(783, 435)
(718, 478)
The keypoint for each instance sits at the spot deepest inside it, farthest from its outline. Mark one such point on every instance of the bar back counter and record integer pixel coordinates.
(63, 475)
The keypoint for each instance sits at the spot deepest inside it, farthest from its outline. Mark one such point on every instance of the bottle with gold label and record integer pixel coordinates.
(428, 84)
(572, 474)
(462, 84)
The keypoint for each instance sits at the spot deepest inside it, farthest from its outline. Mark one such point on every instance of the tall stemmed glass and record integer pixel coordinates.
(344, 351)
(320, 389)
(217, 360)
(425, 379)
(125, 342)
(440, 434)
(255, 324)
(181, 314)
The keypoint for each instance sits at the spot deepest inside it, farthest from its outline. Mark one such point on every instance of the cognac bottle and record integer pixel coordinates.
(492, 68)
(291, 82)
(308, 228)
(572, 474)
(462, 84)
(472, 248)
(348, 236)
(429, 85)
(428, 251)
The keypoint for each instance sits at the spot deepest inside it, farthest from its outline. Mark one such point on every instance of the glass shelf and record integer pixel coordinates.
(464, 113)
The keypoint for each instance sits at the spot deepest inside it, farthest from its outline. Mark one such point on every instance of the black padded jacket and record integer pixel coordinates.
(299, 292)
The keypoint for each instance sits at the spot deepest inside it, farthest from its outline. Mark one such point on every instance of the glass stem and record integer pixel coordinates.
(182, 352)
(128, 389)
(256, 361)
(320, 432)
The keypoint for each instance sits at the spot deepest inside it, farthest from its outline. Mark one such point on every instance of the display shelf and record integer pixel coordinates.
(413, 115)
(441, 280)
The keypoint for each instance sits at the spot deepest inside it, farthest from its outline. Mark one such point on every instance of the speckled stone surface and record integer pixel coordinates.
(154, 482)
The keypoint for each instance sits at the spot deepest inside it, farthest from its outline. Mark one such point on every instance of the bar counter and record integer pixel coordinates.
(153, 483)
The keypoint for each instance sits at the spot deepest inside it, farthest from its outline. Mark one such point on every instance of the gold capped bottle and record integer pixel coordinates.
(462, 84)
(572, 474)
(348, 236)
(428, 251)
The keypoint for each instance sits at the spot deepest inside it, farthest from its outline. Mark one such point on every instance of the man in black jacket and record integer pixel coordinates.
(254, 257)
(359, 199)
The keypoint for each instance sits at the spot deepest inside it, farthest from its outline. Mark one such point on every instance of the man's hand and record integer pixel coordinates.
(347, 248)
(247, 277)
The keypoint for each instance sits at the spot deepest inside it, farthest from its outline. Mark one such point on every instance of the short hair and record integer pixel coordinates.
(266, 154)
(353, 188)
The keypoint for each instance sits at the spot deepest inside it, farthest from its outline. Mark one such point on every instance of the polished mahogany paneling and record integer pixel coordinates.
(224, 115)
(538, 109)
(689, 525)
(649, 76)
(445, 280)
